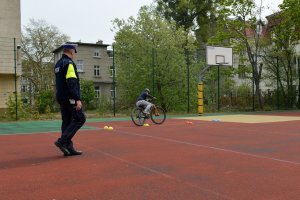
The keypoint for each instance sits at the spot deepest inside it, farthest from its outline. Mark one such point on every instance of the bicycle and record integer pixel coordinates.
(157, 115)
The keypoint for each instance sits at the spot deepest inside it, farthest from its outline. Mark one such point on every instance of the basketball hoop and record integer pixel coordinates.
(219, 56)
(222, 63)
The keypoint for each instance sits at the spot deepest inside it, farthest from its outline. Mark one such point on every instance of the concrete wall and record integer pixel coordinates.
(7, 88)
(10, 59)
(86, 53)
(104, 81)
(10, 15)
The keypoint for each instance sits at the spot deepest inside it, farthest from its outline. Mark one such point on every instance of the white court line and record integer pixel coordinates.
(211, 147)
(179, 142)
(208, 124)
(154, 171)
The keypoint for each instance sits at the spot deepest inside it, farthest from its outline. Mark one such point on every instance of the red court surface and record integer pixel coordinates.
(200, 161)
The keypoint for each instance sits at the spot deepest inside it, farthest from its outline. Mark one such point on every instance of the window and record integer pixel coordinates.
(97, 53)
(273, 37)
(23, 78)
(24, 88)
(96, 70)
(97, 92)
(113, 93)
(110, 53)
(111, 71)
(80, 65)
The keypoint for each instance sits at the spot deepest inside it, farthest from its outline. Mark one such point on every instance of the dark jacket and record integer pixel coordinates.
(67, 80)
(144, 95)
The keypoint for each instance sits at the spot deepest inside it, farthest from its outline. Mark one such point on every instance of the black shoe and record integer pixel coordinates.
(62, 148)
(74, 152)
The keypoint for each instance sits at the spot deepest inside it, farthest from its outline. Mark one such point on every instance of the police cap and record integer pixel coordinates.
(69, 46)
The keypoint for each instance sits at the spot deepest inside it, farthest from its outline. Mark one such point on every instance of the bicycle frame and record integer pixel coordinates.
(157, 115)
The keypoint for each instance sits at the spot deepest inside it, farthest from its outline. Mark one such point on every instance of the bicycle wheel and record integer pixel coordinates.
(137, 117)
(158, 115)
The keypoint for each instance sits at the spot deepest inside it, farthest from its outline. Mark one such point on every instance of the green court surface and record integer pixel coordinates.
(27, 127)
(32, 127)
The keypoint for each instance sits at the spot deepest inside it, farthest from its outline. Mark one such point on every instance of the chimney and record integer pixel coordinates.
(99, 42)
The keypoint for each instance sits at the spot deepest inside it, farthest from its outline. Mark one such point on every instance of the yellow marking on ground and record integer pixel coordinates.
(245, 118)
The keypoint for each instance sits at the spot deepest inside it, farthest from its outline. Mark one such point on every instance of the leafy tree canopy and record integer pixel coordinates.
(195, 15)
(292, 8)
(150, 48)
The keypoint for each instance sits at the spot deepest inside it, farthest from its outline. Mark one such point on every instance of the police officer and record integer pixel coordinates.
(68, 97)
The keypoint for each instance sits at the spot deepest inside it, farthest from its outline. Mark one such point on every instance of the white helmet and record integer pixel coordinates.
(147, 90)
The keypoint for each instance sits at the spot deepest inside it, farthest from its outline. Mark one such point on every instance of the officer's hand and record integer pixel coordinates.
(78, 105)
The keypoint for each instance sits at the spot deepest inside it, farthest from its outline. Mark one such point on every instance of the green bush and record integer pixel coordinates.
(87, 93)
(243, 96)
(15, 110)
(104, 105)
(45, 100)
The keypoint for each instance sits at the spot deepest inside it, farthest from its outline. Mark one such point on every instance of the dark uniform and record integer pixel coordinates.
(67, 93)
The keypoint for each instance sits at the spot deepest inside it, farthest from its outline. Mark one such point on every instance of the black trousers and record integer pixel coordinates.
(72, 121)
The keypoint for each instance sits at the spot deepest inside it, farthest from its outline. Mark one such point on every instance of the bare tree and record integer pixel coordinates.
(39, 39)
(240, 27)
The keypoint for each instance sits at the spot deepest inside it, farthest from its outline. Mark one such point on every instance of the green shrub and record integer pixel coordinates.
(87, 93)
(45, 100)
(104, 105)
(15, 110)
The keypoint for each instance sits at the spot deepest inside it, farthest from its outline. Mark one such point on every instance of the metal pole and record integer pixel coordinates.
(153, 71)
(188, 84)
(298, 82)
(114, 80)
(218, 88)
(253, 95)
(149, 55)
(15, 63)
(277, 77)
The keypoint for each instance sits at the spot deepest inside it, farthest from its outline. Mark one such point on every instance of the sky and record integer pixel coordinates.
(91, 20)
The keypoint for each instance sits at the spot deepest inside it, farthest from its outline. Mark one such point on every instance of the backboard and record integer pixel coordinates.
(219, 56)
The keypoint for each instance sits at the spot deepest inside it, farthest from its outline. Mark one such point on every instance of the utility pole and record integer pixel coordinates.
(153, 71)
(114, 80)
(16, 91)
(218, 88)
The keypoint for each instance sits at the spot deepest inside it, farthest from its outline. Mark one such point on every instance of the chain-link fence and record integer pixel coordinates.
(235, 89)
(230, 89)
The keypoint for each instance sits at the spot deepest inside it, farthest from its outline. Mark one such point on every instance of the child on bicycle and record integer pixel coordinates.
(142, 101)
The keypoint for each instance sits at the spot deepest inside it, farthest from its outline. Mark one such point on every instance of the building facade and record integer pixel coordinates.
(266, 34)
(10, 59)
(94, 62)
